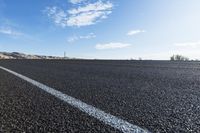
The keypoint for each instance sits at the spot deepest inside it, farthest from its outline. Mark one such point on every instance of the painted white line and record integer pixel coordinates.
(107, 118)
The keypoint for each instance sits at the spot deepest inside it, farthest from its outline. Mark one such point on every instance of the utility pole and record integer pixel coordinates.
(64, 55)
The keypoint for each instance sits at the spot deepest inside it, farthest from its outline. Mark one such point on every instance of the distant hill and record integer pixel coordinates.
(16, 55)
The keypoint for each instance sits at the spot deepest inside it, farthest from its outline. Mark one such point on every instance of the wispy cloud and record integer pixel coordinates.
(89, 14)
(135, 32)
(91, 35)
(97, 6)
(75, 38)
(72, 39)
(57, 15)
(76, 1)
(84, 15)
(9, 31)
(112, 45)
(188, 44)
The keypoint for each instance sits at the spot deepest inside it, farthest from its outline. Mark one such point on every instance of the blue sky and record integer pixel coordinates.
(108, 29)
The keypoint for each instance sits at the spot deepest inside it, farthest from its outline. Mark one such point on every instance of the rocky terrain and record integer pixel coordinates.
(16, 55)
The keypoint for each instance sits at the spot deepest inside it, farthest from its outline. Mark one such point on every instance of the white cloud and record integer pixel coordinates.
(75, 38)
(98, 6)
(112, 45)
(10, 31)
(188, 44)
(76, 1)
(87, 18)
(82, 16)
(89, 14)
(58, 15)
(134, 32)
(89, 36)
(72, 39)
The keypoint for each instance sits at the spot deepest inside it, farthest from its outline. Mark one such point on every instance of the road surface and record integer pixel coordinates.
(158, 96)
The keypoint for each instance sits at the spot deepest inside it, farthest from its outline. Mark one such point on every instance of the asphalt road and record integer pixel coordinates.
(25, 108)
(159, 96)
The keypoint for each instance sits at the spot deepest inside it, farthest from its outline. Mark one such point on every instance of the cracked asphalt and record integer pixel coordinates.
(160, 96)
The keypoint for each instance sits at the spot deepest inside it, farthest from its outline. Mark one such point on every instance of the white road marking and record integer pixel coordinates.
(107, 118)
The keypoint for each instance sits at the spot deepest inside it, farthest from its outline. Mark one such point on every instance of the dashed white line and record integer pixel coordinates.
(107, 118)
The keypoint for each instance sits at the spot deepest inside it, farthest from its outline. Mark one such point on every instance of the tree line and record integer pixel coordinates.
(179, 58)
